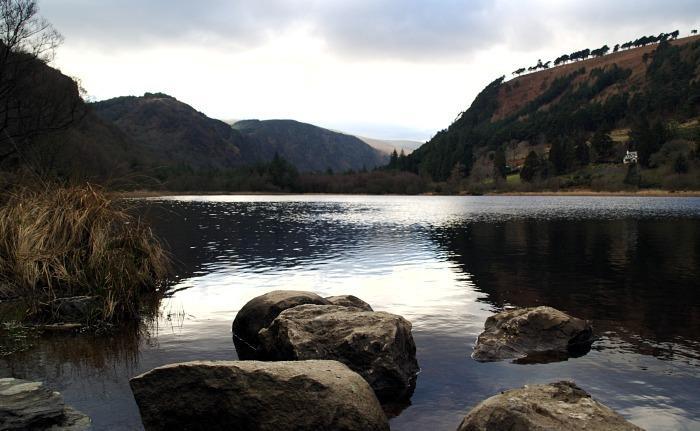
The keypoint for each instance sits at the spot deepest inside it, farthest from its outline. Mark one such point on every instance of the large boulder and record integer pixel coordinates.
(559, 406)
(259, 312)
(28, 405)
(252, 395)
(538, 334)
(349, 301)
(377, 345)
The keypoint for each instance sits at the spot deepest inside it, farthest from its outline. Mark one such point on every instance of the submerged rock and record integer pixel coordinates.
(559, 406)
(252, 395)
(538, 334)
(74, 309)
(259, 312)
(349, 301)
(31, 405)
(377, 345)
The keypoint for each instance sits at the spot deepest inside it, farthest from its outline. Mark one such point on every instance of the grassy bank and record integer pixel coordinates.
(59, 242)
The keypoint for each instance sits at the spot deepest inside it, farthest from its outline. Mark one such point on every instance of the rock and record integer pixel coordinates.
(61, 327)
(539, 334)
(259, 312)
(557, 406)
(252, 395)
(30, 405)
(377, 345)
(349, 301)
(74, 309)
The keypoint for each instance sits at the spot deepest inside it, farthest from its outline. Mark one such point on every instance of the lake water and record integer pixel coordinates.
(630, 265)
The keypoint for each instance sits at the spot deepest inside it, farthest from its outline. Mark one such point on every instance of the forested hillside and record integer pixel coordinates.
(569, 116)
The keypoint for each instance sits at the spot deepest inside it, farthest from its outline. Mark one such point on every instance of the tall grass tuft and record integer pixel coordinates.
(68, 241)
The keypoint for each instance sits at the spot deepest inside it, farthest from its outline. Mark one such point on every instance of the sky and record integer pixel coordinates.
(389, 69)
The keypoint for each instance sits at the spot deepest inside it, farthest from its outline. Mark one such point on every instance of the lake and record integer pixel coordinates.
(630, 265)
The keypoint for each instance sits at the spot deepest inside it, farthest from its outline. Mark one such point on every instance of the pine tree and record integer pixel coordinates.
(394, 160)
(531, 167)
(602, 144)
(680, 164)
(499, 164)
(583, 154)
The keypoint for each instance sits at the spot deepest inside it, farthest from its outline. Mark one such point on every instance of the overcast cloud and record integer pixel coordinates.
(399, 64)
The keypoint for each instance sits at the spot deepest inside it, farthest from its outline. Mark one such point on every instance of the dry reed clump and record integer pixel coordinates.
(68, 241)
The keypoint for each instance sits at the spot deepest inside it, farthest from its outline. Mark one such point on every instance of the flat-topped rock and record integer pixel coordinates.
(349, 301)
(538, 334)
(252, 395)
(259, 313)
(26, 405)
(377, 345)
(560, 406)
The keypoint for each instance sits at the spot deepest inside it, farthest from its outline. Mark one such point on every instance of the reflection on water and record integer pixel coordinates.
(445, 263)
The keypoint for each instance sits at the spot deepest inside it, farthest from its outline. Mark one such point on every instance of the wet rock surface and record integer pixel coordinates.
(26, 405)
(533, 335)
(377, 345)
(253, 395)
(74, 309)
(556, 406)
(259, 313)
(349, 301)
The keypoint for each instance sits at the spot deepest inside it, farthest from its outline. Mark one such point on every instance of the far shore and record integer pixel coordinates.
(583, 192)
(579, 192)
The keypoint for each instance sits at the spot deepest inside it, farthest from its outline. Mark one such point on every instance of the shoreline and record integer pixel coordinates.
(640, 193)
(142, 194)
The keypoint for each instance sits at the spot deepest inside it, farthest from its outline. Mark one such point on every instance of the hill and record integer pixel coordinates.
(49, 131)
(169, 132)
(562, 108)
(308, 147)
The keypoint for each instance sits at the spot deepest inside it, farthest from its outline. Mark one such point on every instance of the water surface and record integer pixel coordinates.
(631, 265)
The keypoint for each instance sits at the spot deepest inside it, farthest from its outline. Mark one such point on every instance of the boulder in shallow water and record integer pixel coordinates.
(252, 395)
(561, 406)
(28, 405)
(377, 345)
(259, 312)
(74, 309)
(538, 334)
(349, 301)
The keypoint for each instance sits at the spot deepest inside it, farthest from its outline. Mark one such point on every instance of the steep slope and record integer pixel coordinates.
(51, 132)
(308, 147)
(169, 132)
(659, 81)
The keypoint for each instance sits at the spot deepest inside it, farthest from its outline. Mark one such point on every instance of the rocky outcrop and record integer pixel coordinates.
(259, 313)
(349, 301)
(252, 395)
(28, 405)
(559, 406)
(539, 334)
(377, 345)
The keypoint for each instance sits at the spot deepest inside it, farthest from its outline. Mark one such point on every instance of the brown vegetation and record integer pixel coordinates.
(59, 242)
(522, 90)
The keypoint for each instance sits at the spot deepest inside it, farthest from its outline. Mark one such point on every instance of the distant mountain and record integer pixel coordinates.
(308, 147)
(387, 146)
(171, 132)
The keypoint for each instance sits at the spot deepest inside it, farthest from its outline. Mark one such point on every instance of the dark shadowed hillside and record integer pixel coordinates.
(308, 147)
(170, 132)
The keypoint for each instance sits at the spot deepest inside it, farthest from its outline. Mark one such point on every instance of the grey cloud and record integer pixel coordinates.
(408, 28)
(125, 22)
(418, 30)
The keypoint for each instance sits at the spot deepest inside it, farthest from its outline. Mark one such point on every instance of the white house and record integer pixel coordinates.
(630, 157)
